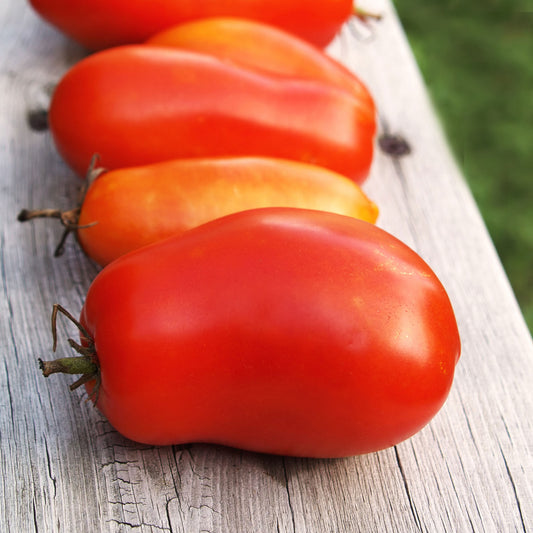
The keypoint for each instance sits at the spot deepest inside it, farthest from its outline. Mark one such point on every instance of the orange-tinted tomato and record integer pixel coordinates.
(100, 24)
(285, 331)
(125, 209)
(259, 46)
(138, 104)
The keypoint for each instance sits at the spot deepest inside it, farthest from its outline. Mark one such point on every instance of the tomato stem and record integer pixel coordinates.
(58, 308)
(69, 365)
(69, 219)
(86, 364)
(363, 14)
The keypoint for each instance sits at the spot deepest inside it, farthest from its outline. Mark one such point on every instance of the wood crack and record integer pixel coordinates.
(136, 526)
(515, 492)
(49, 465)
(412, 506)
(9, 393)
(167, 511)
(7, 299)
(293, 520)
(35, 520)
(176, 482)
(204, 506)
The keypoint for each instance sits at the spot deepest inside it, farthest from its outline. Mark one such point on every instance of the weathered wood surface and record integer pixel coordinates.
(63, 468)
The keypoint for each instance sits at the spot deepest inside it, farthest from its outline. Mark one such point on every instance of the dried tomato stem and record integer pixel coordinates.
(27, 214)
(363, 14)
(60, 248)
(58, 308)
(69, 219)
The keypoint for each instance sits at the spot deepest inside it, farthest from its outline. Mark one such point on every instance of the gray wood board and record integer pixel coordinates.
(63, 468)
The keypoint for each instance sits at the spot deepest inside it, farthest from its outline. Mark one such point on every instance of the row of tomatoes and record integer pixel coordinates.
(246, 298)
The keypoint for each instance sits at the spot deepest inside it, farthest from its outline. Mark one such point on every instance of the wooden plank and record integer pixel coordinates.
(63, 468)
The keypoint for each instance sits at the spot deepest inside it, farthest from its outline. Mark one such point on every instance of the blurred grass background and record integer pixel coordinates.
(477, 60)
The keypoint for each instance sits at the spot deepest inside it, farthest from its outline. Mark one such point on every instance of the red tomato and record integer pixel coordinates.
(259, 46)
(277, 330)
(100, 24)
(136, 105)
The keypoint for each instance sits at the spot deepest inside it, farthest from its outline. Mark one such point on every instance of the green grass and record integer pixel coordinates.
(477, 60)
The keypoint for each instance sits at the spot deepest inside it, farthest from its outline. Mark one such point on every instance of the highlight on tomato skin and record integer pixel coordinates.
(103, 24)
(138, 104)
(275, 330)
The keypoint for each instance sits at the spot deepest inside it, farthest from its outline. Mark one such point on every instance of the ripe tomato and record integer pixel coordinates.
(104, 23)
(135, 105)
(259, 46)
(277, 330)
(125, 209)
(141, 205)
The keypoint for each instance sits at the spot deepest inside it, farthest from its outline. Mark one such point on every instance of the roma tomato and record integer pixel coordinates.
(277, 330)
(138, 104)
(104, 23)
(125, 209)
(260, 46)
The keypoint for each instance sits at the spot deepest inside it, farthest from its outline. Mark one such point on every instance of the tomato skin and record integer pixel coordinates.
(259, 46)
(99, 24)
(136, 105)
(128, 208)
(276, 330)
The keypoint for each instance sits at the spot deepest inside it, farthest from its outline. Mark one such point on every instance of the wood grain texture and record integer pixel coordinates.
(63, 468)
